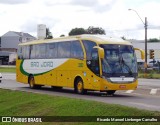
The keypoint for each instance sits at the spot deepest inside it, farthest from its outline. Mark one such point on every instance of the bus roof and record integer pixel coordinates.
(99, 39)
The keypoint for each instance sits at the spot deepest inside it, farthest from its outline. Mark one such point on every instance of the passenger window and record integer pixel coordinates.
(37, 53)
(41, 51)
(26, 52)
(20, 53)
(76, 50)
(33, 52)
(64, 49)
(51, 50)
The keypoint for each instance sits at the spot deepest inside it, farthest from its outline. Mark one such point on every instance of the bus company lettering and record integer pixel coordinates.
(42, 64)
(47, 64)
(34, 64)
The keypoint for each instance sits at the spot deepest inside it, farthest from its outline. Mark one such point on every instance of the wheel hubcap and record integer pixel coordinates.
(32, 82)
(80, 86)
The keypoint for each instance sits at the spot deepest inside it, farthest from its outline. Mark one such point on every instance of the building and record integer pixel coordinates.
(41, 31)
(11, 39)
(9, 45)
(150, 45)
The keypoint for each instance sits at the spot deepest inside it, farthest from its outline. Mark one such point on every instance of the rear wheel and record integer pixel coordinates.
(32, 83)
(79, 87)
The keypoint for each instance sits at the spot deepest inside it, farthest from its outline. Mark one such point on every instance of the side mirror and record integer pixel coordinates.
(100, 51)
(142, 52)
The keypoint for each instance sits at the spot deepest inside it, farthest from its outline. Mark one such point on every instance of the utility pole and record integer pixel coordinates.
(145, 27)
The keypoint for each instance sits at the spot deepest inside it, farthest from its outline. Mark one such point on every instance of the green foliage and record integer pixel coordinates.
(48, 34)
(123, 37)
(30, 104)
(154, 40)
(77, 31)
(152, 74)
(95, 30)
(62, 35)
(8, 69)
(90, 30)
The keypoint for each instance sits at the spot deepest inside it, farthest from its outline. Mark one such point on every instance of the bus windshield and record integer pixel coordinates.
(120, 60)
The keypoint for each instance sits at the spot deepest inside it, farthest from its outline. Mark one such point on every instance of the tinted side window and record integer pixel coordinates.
(89, 48)
(37, 54)
(64, 49)
(26, 52)
(92, 57)
(20, 53)
(51, 50)
(40, 51)
(32, 51)
(76, 50)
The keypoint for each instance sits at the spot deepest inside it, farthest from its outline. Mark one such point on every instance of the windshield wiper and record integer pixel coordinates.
(129, 69)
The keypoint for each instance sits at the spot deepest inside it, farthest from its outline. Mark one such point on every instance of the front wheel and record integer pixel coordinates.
(79, 87)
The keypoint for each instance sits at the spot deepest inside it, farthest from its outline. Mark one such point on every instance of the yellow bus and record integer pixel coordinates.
(84, 62)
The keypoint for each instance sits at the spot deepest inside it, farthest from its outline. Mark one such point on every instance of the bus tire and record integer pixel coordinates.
(111, 92)
(79, 86)
(31, 82)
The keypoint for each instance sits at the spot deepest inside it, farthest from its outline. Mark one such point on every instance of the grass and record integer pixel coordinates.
(150, 74)
(8, 69)
(17, 103)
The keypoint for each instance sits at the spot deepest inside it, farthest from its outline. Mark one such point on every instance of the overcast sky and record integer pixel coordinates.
(63, 15)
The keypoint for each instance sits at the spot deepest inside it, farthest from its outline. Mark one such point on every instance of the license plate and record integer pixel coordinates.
(122, 86)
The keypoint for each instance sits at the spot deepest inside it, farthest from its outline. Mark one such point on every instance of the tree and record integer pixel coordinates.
(62, 35)
(77, 31)
(90, 30)
(48, 34)
(154, 40)
(95, 30)
(123, 37)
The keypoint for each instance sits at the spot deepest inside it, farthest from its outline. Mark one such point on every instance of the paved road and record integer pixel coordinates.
(9, 76)
(154, 83)
(146, 86)
(141, 98)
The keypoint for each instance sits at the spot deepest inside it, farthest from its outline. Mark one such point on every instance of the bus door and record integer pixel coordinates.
(92, 61)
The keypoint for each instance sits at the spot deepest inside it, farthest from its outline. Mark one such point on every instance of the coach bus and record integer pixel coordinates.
(84, 62)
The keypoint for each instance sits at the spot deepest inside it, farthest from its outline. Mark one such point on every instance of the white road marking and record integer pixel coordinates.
(129, 91)
(153, 91)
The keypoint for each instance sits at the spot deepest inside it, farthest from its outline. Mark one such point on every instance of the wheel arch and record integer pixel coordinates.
(76, 78)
